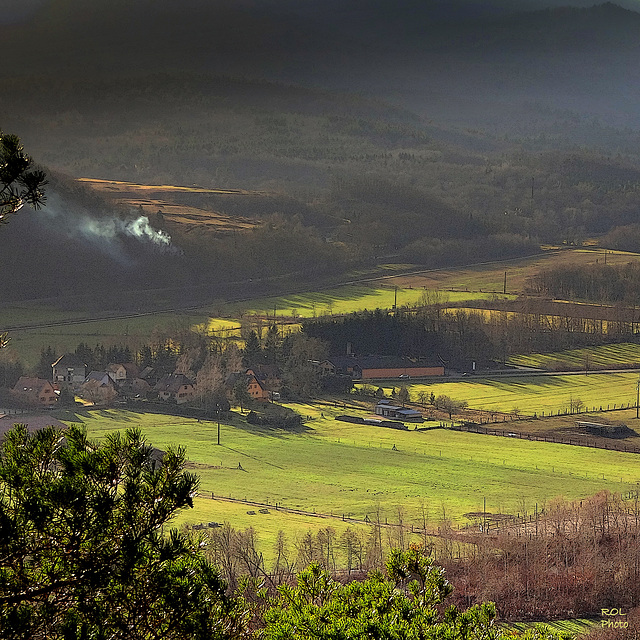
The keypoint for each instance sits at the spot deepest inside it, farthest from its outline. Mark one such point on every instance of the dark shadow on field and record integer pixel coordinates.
(105, 413)
(265, 431)
(74, 416)
(80, 416)
(321, 300)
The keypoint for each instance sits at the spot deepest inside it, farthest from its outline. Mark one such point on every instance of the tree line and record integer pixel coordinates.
(599, 282)
(459, 337)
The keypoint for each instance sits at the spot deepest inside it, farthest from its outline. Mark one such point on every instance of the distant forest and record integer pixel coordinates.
(346, 182)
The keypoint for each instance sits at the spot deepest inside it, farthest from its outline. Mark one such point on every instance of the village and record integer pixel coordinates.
(122, 383)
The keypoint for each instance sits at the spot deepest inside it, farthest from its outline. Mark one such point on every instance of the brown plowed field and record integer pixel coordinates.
(166, 200)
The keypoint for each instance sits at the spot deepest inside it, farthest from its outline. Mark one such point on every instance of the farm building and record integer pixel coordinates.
(69, 370)
(34, 392)
(255, 382)
(379, 367)
(387, 410)
(175, 387)
(605, 430)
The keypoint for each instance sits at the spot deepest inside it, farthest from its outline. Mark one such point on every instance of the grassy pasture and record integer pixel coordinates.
(127, 188)
(346, 299)
(165, 198)
(134, 332)
(565, 425)
(333, 467)
(576, 627)
(538, 394)
(610, 355)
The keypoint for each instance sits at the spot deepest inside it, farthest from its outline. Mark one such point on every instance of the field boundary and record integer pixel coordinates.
(300, 512)
(593, 444)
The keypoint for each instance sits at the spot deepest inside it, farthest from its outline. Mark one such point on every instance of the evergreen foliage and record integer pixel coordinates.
(82, 550)
(20, 183)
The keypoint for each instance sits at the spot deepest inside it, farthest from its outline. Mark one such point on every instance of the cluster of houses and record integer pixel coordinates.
(126, 381)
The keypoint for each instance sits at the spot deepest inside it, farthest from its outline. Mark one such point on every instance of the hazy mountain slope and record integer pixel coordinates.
(455, 136)
(478, 64)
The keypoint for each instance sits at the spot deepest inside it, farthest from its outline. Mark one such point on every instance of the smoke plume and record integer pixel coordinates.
(119, 238)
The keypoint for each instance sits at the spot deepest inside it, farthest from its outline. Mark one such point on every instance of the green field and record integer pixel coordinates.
(490, 276)
(605, 356)
(133, 332)
(538, 395)
(27, 343)
(456, 285)
(576, 627)
(339, 468)
(348, 299)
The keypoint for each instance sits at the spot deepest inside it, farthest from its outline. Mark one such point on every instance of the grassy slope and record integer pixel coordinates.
(137, 331)
(341, 468)
(471, 283)
(538, 394)
(578, 626)
(350, 298)
(616, 355)
(490, 276)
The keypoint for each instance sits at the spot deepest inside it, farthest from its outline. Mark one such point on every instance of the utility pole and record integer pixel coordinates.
(504, 286)
(218, 412)
(638, 398)
(484, 514)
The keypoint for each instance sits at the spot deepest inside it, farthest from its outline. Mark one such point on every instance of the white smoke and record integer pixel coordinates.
(107, 233)
(112, 228)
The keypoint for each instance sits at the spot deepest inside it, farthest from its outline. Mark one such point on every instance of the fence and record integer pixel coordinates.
(578, 442)
(14, 412)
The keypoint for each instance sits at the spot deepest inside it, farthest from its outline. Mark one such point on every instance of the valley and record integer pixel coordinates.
(373, 267)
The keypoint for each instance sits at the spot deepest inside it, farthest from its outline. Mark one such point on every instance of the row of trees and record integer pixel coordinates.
(577, 558)
(459, 337)
(595, 283)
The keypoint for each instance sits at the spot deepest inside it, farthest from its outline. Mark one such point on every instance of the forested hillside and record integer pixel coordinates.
(343, 181)
(429, 135)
